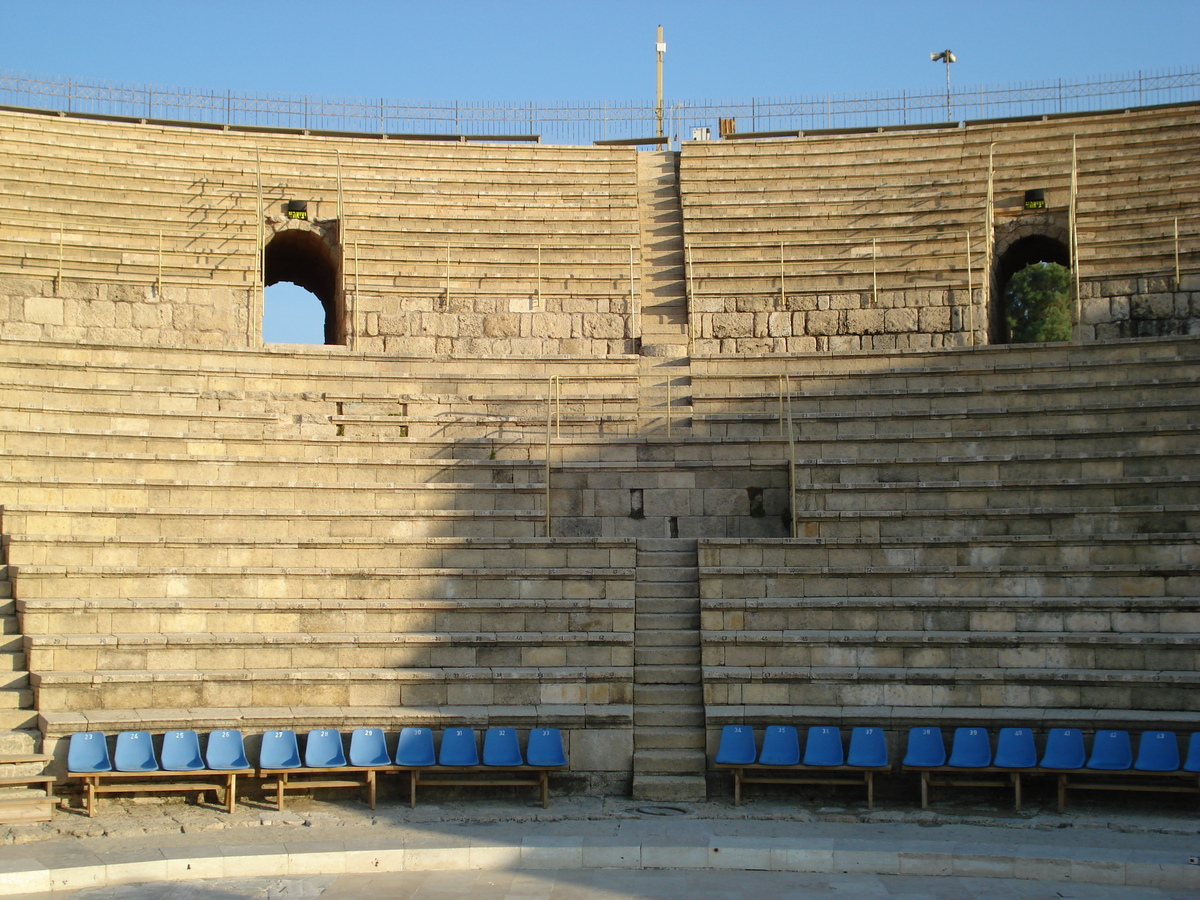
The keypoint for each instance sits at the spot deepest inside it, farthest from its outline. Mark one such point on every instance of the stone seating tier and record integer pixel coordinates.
(815, 195)
(510, 200)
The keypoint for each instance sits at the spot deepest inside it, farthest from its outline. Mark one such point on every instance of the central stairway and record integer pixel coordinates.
(668, 712)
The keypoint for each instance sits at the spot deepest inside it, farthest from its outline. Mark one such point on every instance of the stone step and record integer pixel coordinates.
(669, 788)
(666, 590)
(664, 639)
(14, 742)
(668, 621)
(17, 719)
(669, 694)
(665, 716)
(646, 673)
(674, 559)
(666, 658)
(651, 571)
(662, 761)
(12, 662)
(649, 738)
(16, 699)
(658, 605)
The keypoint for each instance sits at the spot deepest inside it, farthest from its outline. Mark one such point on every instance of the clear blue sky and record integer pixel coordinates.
(582, 50)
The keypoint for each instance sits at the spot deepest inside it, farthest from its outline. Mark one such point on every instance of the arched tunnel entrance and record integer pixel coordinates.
(1023, 252)
(306, 259)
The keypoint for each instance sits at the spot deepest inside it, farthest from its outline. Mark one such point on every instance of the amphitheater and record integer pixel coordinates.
(636, 444)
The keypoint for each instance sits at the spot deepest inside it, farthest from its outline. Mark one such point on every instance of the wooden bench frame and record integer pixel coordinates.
(971, 778)
(1126, 780)
(198, 781)
(540, 781)
(46, 782)
(812, 775)
(319, 778)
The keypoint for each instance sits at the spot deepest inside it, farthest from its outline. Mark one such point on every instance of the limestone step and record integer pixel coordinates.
(15, 742)
(278, 582)
(512, 691)
(151, 553)
(664, 695)
(280, 524)
(664, 639)
(16, 699)
(650, 738)
(668, 761)
(667, 621)
(667, 605)
(666, 590)
(21, 719)
(666, 574)
(688, 716)
(686, 671)
(669, 788)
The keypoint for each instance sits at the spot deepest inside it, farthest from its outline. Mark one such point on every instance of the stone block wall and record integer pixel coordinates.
(847, 322)
(483, 326)
(138, 315)
(1140, 307)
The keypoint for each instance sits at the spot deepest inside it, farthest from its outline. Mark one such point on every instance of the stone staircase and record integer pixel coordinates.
(668, 738)
(664, 364)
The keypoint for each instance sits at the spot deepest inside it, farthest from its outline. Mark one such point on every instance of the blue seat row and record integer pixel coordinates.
(324, 752)
(134, 758)
(1064, 753)
(781, 758)
(1158, 751)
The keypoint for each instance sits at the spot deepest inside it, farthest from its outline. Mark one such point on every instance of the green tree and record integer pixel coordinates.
(1038, 303)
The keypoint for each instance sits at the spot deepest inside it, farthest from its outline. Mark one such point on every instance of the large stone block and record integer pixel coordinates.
(732, 325)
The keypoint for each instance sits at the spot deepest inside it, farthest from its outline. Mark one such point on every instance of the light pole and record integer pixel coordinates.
(947, 57)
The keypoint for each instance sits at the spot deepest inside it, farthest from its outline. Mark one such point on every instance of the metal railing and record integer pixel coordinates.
(584, 122)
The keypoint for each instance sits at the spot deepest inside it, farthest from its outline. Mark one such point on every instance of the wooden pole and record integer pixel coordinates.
(549, 413)
(970, 292)
(660, 48)
(1177, 279)
(988, 235)
(782, 288)
(874, 277)
(1074, 238)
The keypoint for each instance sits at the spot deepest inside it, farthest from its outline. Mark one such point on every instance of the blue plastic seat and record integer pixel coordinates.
(415, 748)
(1064, 749)
(970, 748)
(1158, 751)
(368, 747)
(135, 752)
(458, 748)
(226, 750)
(737, 746)
(1111, 751)
(925, 747)
(1015, 749)
(501, 748)
(781, 746)
(88, 752)
(545, 748)
(323, 749)
(868, 748)
(823, 747)
(279, 750)
(181, 752)
(1192, 762)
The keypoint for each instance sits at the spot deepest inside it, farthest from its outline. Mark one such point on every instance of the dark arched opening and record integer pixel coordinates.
(1024, 252)
(307, 260)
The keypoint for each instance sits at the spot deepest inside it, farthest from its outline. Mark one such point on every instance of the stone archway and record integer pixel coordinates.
(309, 256)
(1024, 244)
